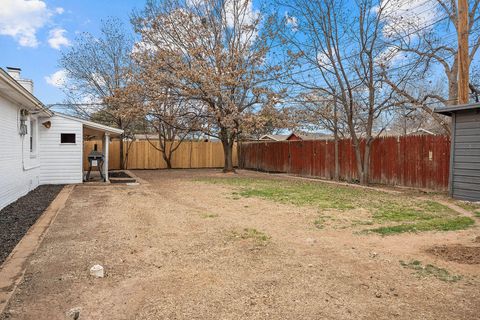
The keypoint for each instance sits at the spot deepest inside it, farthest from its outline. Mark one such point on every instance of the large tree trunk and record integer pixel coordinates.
(167, 153)
(168, 161)
(227, 143)
(228, 156)
(453, 85)
(363, 162)
(337, 167)
(359, 160)
(366, 163)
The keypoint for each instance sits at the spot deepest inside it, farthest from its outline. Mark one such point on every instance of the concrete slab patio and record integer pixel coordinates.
(173, 248)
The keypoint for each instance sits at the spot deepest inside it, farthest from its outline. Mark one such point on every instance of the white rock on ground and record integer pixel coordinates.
(74, 313)
(97, 271)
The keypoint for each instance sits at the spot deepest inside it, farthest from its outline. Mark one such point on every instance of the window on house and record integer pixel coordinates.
(33, 136)
(67, 138)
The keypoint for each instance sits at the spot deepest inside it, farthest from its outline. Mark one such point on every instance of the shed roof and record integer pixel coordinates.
(451, 109)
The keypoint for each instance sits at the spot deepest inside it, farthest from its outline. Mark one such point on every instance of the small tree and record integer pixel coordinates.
(96, 69)
(172, 120)
(211, 52)
(159, 110)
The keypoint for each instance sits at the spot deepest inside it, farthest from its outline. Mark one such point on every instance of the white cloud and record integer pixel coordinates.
(389, 56)
(21, 19)
(323, 60)
(56, 38)
(57, 79)
(406, 17)
(242, 10)
(291, 21)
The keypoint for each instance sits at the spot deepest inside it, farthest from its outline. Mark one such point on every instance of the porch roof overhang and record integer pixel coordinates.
(92, 128)
(447, 111)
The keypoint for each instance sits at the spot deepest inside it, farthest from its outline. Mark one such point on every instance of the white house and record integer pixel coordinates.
(38, 146)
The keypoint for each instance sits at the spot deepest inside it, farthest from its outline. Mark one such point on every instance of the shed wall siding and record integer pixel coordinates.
(61, 163)
(466, 162)
(17, 178)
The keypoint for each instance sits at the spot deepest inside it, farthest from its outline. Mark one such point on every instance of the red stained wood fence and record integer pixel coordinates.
(412, 161)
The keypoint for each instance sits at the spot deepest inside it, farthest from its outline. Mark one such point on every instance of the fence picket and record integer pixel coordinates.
(142, 155)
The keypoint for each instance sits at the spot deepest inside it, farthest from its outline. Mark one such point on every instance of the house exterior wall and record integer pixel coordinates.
(465, 183)
(61, 163)
(19, 170)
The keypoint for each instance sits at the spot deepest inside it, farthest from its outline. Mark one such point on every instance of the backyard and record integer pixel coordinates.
(198, 244)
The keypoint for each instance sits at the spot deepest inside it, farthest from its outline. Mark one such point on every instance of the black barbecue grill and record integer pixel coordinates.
(95, 159)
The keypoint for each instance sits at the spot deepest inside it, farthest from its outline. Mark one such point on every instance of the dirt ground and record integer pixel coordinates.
(175, 248)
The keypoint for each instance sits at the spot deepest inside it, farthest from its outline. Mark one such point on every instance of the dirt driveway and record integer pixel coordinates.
(176, 248)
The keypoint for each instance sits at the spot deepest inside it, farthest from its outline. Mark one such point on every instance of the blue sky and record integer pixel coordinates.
(33, 34)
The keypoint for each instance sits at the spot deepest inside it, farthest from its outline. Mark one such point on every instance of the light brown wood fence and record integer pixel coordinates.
(142, 155)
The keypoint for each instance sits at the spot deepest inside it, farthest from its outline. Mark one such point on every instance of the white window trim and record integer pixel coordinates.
(34, 131)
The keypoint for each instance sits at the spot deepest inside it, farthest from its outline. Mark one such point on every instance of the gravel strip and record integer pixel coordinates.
(19, 216)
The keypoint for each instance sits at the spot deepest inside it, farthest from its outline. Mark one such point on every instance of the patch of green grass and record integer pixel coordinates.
(254, 234)
(430, 270)
(438, 224)
(426, 210)
(300, 193)
(209, 215)
(415, 214)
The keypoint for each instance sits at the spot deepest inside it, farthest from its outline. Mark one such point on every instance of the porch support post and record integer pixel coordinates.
(106, 142)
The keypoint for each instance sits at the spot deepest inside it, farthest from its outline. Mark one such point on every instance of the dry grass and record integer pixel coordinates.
(386, 209)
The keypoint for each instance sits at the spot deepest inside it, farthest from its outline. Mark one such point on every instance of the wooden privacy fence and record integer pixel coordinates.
(142, 155)
(412, 161)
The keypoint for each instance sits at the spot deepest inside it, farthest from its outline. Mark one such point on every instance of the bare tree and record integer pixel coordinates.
(95, 69)
(338, 54)
(475, 83)
(317, 111)
(430, 45)
(213, 52)
(172, 121)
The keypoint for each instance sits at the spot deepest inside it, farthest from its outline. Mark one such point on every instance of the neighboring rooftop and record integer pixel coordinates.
(274, 137)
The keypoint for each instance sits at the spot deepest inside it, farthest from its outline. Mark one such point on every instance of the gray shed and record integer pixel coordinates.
(464, 181)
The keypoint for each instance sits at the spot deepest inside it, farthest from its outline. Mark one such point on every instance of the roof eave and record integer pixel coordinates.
(24, 92)
(447, 111)
(93, 125)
